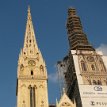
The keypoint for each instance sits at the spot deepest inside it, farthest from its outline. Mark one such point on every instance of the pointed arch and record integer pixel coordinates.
(41, 68)
(83, 65)
(32, 96)
(99, 82)
(93, 67)
(94, 82)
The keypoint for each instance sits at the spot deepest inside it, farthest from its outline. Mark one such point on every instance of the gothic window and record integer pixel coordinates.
(83, 65)
(99, 82)
(94, 82)
(31, 72)
(30, 41)
(32, 96)
(41, 68)
(93, 67)
(31, 51)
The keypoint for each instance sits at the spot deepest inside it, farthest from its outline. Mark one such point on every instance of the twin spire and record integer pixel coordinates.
(30, 45)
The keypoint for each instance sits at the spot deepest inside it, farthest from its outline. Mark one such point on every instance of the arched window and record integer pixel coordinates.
(31, 72)
(94, 82)
(83, 65)
(32, 96)
(99, 82)
(93, 67)
(41, 68)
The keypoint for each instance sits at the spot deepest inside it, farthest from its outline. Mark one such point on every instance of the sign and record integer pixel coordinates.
(93, 95)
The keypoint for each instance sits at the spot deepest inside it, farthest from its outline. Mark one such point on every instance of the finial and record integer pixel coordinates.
(63, 90)
(29, 13)
(28, 8)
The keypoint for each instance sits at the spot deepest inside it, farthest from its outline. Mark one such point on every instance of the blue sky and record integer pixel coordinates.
(49, 20)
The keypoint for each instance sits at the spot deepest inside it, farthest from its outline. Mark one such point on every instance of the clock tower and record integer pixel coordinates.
(31, 73)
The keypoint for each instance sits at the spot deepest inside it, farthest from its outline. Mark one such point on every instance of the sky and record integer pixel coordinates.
(49, 20)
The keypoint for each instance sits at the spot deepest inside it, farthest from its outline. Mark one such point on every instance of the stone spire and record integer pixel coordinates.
(32, 90)
(30, 45)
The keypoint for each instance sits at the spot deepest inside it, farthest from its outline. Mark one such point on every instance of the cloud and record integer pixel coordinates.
(103, 48)
(56, 77)
(53, 77)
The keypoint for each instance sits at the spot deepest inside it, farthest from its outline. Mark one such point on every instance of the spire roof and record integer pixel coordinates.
(30, 44)
(77, 38)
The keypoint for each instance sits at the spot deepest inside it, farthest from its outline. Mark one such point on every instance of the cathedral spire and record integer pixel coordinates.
(77, 38)
(30, 45)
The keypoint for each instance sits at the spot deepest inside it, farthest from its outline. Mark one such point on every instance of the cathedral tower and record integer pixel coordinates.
(31, 73)
(86, 74)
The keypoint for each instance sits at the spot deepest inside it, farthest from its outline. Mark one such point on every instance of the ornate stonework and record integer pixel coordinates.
(32, 73)
(65, 101)
(92, 68)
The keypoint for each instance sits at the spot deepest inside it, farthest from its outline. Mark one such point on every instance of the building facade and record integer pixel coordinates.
(32, 76)
(86, 74)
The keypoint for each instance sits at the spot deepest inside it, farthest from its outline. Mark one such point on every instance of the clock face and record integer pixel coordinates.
(90, 59)
(31, 63)
(21, 67)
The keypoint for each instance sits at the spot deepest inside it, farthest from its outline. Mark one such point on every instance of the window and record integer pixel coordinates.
(41, 68)
(99, 82)
(32, 96)
(31, 51)
(31, 72)
(94, 82)
(83, 65)
(30, 41)
(93, 67)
